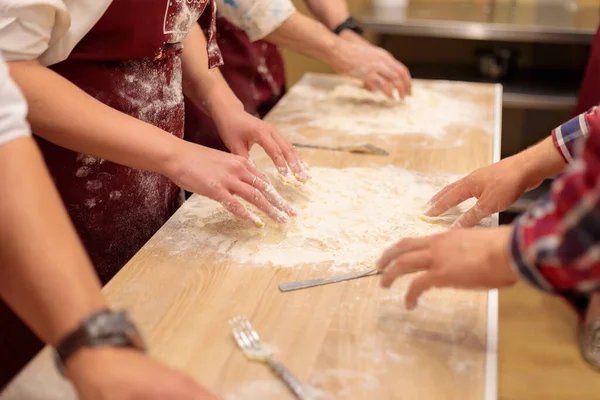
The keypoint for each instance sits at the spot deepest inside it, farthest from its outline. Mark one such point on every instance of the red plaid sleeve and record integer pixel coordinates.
(556, 243)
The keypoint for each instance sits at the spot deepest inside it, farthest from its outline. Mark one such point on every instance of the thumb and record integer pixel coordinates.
(417, 287)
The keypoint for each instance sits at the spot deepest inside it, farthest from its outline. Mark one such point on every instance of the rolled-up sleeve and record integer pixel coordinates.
(258, 18)
(566, 136)
(13, 109)
(556, 244)
(29, 27)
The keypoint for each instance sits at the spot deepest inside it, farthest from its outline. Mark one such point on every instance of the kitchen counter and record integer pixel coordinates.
(500, 22)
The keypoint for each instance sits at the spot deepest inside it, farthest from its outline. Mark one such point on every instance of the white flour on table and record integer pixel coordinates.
(347, 217)
(351, 109)
(270, 390)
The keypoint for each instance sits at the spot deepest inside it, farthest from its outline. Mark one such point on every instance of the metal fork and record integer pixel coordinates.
(249, 342)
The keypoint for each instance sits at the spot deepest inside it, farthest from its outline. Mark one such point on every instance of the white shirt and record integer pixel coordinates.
(13, 109)
(46, 30)
(258, 18)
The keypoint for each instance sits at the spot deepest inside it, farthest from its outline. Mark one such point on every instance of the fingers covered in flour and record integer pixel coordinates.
(255, 197)
(292, 158)
(282, 153)
(236, 208)
(271, 194)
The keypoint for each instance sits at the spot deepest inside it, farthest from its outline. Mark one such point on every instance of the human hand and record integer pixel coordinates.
(106, 373)
(465, 259)
(240, 131)
(220, 176)
(496, 188)
(376, 67)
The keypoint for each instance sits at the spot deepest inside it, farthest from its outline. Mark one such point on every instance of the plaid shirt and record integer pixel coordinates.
(556, 243)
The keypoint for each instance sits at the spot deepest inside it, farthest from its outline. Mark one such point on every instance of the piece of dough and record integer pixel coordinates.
(431, 220)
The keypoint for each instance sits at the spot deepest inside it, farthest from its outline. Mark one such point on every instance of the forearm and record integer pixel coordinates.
(307, 36)
(206, 88)
(45, 275)
(331, 12)
(63, 114)
(541, 161)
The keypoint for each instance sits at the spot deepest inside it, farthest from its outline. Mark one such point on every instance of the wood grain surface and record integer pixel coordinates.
(351, 340)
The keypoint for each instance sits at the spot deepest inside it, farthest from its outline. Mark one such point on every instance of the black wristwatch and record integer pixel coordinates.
(103, 328)
(351, 24)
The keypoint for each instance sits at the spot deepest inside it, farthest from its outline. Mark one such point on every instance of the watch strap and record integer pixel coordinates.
(102, 328)
(349, 23)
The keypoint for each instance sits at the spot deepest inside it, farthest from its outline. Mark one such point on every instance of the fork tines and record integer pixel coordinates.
(245, 335)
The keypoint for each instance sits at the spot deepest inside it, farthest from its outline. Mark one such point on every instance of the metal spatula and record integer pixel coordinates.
(357, 149)
(287, 287)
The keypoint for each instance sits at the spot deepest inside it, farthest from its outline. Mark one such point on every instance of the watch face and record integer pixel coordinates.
(103, 328)
(115, 328)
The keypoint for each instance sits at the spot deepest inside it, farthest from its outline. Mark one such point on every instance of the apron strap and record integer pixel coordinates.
(215, 59)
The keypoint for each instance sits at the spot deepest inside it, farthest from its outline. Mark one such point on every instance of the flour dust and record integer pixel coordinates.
(181, 15)
(270, 390)
(149, 91)
(346, 218)
(348, 108)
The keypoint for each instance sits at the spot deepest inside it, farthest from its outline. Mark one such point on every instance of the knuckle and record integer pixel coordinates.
(236, 166)
(216, 189)
(235, 207)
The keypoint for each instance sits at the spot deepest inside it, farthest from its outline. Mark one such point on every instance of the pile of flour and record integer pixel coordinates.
(346, 218)
(351, 109)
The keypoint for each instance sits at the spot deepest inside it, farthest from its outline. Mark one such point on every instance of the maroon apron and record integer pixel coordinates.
(589, 94)
(130, 61)
(254, 71)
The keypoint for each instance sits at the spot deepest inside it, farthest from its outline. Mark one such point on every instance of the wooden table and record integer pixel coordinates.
(352, 340)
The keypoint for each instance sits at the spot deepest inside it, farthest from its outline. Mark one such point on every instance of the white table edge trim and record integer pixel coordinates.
(491, 359)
